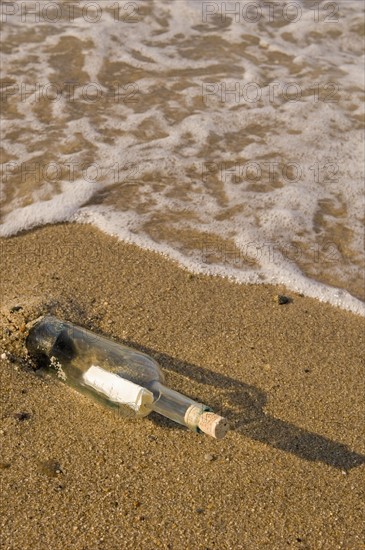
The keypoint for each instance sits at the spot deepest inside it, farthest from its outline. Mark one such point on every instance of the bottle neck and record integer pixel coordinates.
(177, 407)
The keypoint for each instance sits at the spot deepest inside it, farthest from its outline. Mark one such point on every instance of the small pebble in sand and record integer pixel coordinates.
(15, 308)
(282, 299)
(3, 356)
(51, 468)
(22, 416)
(209, 457)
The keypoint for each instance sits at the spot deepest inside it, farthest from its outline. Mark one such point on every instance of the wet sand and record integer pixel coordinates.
(289, 378)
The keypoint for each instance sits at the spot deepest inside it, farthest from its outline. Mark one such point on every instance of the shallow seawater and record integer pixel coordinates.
(228, 135)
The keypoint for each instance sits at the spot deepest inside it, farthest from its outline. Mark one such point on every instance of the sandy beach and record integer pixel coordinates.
(289, 378)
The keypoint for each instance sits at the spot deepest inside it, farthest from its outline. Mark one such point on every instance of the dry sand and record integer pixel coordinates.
(289, 378)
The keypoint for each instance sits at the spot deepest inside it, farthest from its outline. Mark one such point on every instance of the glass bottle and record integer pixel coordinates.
(115, 375)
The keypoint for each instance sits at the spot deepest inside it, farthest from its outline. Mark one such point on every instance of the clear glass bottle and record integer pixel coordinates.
(115, 375)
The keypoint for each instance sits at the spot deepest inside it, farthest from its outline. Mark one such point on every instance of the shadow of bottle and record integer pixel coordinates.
(246, 415)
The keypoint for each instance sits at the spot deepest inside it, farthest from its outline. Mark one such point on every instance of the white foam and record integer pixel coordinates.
(60, 208)
(123, 225)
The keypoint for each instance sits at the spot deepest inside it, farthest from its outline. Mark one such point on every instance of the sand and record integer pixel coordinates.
(289, 378)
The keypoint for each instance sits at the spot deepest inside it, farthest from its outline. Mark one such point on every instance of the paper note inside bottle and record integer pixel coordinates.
(119, 389)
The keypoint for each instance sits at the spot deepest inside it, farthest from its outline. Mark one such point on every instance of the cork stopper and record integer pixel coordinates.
(214, 425)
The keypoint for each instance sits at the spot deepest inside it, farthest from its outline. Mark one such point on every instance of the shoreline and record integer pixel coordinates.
(288, 378)
(322, 288)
